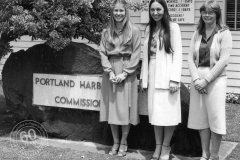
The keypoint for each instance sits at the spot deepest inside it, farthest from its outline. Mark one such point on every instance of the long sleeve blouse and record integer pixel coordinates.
(219, 54)
(132, 49)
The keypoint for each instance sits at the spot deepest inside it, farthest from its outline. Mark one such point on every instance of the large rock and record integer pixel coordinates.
(186, 141)
(77, 124)
(18, 70)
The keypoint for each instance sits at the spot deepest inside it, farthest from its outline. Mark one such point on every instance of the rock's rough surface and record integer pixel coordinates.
(18, 70)
(77, 124)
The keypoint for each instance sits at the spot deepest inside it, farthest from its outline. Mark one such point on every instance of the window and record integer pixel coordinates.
(233, 14)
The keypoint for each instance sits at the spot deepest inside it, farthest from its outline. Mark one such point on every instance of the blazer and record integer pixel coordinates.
(219, 54)
(168, 66)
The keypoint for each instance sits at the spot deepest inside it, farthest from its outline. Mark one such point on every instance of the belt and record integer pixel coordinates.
(124, 56)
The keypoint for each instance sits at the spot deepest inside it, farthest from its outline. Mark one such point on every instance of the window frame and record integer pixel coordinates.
(235, 16)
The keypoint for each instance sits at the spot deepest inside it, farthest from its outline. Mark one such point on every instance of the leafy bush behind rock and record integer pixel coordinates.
(56, 21)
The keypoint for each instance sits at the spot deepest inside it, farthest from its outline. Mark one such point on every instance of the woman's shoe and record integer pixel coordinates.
(156, 158)
(203, 158)
(122, 153)
(114, 151)
(165, 153)
(214, 158)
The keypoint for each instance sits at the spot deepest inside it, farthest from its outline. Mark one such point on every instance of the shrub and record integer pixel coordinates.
(233, 98)
(56, 21)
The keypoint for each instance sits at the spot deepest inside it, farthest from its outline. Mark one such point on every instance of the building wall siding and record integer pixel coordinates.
(187, 31)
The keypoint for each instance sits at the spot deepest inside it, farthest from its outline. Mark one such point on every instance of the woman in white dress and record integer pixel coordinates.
(161, 74)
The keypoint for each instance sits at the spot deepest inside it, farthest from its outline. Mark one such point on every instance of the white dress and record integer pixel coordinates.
(164, 108)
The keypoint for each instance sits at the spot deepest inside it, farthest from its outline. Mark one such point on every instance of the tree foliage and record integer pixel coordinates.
(56, 21)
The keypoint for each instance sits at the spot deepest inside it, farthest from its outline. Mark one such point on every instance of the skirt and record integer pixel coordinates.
(164, 108)
(118, 103)
(208, 110)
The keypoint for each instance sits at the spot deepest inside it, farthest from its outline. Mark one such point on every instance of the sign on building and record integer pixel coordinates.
(144, 14)
(81, 91)
(181, 11)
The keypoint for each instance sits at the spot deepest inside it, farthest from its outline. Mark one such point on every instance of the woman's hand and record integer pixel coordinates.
(112, 77)
(200, 85)
(121, 77)
(202, 91)
(173, 86)
(141, 86)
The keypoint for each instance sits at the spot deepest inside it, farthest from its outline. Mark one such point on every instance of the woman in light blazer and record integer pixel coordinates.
(161, 74)
(208, 58)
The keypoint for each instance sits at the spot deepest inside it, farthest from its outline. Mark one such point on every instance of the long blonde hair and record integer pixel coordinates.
(127, 26)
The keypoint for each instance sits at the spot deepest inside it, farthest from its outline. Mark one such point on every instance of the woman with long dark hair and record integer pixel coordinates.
(120, 50)
(208, 58)
(161, 74)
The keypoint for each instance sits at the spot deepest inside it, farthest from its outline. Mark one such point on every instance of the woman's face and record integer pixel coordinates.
(156, 11)
(209, 17)
(119, 12)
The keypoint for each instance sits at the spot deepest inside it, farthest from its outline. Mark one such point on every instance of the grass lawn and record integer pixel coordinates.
(233, 129)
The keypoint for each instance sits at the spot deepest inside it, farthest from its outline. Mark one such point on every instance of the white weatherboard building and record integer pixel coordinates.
(187, 15)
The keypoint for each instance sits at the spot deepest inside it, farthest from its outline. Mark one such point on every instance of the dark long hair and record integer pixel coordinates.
(213, 6)
(165, 24)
